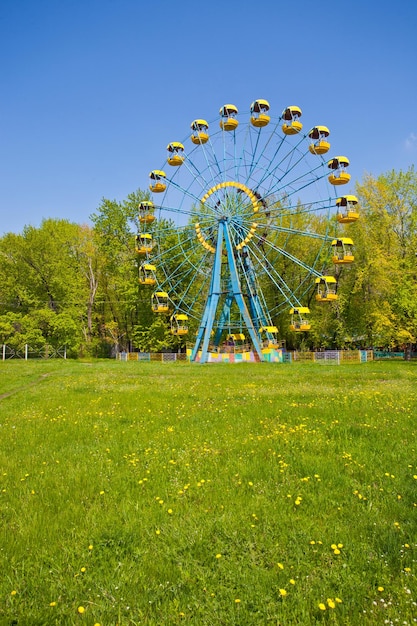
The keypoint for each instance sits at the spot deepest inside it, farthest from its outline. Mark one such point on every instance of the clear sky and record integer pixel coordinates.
(92, 91)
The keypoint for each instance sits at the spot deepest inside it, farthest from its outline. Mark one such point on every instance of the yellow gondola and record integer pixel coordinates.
(291, 125)
(175, 153)
(339, 175)
(160, 302)
(319, 135)
(299, 322)
(146, 210)
(326, 289)
(144, 243)
(269, 336)
(179, 324)
(342, 251)
(228, 114)
(199, 134)
(158, 183)
(147, 274)
(350, 213)
(259, 113)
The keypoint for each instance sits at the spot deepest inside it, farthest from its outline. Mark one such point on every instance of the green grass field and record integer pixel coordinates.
(253, 494)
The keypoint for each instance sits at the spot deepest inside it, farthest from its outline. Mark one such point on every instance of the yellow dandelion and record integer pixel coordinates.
(218, 556)
(83, 569)
(338, 600)
(331, 603)
(407, 569)
(237, 600)
(280, 565)
(157, 531)
(322, 606)
(292, 581)
(282, 593)
(102, 493)
(380, 588)
(90, 547)
(81, 609)
(336, 551)
(13, 593)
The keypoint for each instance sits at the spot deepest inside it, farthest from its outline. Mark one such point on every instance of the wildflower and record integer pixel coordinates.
(292, 581)
(322, 606)
(380, 588)
(81, 609)
(282, 593)
(52, 604)
(237, 600)
(157, 531)
(280, 565)
(218, 556)
(90, 547)
(83, 569)
(338, 600)
(170, 511)
(102, 493)
(331, 603)
(13, 593)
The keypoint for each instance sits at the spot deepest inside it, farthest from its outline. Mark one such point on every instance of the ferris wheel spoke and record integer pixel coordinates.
(276, 279)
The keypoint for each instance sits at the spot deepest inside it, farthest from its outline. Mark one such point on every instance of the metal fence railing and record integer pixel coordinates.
(26, 352)
(330, 357)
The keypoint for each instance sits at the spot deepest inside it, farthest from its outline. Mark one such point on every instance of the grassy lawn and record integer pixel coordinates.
(252, 494)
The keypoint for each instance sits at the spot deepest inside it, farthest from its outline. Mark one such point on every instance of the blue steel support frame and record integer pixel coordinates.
(208, 318)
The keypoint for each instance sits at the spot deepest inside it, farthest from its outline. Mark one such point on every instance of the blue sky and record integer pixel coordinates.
(93, 91)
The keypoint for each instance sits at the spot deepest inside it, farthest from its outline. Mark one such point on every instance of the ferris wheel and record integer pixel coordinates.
(239, 226)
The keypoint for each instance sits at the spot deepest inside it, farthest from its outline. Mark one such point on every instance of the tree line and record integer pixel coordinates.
(77, 285)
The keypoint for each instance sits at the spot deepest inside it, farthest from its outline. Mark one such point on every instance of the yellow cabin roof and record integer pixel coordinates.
(268, 329)
(160, 294)
(146, 204)
(259, 105)
(197, 124)
(155, 174)
(314, 132)
(148, 267)
(343, 241)
(227, 109)
(288, 113)
(237, 337)
(174, 146)
(143, 236)
(180, 317)
(326, 279)
(335, 162)
(343, 200)
(299, 309)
